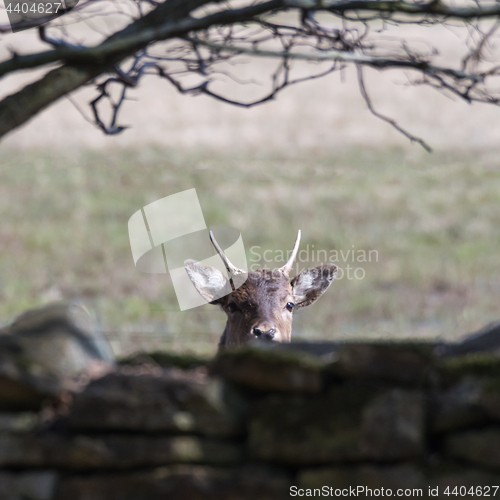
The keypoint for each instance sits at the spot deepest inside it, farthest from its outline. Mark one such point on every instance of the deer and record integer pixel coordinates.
(258, 304)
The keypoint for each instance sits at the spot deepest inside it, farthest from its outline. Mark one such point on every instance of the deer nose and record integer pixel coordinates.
(264, 334)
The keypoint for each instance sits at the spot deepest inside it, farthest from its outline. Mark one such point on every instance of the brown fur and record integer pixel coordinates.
(261, 303)
(262, 306)
(262, 300)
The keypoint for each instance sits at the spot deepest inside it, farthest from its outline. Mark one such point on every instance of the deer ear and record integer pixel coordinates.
(310, 284)
(210, 283)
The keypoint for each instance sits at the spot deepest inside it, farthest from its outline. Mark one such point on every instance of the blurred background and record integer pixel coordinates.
(315, 159)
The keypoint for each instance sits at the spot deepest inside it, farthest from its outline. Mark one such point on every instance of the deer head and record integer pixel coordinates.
(262, 307)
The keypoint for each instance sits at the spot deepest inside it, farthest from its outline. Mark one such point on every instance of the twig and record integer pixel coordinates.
(390, 121)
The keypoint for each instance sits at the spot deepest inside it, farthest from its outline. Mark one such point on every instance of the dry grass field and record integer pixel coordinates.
(433, 221)
(314, 159)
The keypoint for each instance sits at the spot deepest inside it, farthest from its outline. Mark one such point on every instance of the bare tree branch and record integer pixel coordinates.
(390, 121)
(347, 57)
(205, 39)
(20, 107)
(434, 8)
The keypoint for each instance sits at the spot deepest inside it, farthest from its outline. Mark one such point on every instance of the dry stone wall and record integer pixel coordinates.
(265, 422)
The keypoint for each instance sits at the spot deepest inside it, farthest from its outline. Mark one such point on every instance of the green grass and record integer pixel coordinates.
(433, 219)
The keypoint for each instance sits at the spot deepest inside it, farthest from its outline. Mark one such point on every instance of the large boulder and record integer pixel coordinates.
(44, 349)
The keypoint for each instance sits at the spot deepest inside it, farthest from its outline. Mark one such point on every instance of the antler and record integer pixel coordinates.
(231, 269)
(288, 266)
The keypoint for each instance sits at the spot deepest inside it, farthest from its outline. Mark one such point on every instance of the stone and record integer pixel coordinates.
(180, 483)
(392, 426)
(348, 423)
(165, 359)
(21, 390)
(112, 451)
(478, 365)
(325, 351)
(399, 363)
(485, 340)
(471, 394)
(406, 476)
(32, 485)
(458, 407)
(168, 400)
(489, 398)
(269, 369)
(19, 422)
(60, 339)
(43, 349)
(371, 476)
(450, 475)
(480, 447)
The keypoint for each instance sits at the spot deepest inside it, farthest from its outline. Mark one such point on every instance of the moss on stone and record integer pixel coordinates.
(164, 359)
(403, 363)
(270, 369)
(480, 364)
(274, 357)
(309, 428)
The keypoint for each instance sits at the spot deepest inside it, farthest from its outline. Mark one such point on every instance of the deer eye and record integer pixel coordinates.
(233, 307)
(289, 306)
